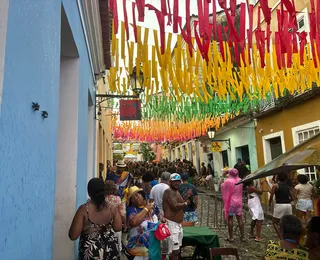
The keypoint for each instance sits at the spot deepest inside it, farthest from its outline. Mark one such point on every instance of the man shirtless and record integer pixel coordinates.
(173, 205)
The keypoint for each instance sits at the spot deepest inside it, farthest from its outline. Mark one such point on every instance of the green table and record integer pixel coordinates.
(201, 237)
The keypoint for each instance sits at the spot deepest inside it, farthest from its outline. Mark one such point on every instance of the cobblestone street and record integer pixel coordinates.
(210, 214)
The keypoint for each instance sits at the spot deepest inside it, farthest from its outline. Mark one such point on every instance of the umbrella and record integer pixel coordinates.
(130, 156)
(306, 154)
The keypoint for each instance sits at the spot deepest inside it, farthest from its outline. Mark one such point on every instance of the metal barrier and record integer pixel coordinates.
(210, 210)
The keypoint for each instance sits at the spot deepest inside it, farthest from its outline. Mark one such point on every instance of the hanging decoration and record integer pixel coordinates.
(213, 69)
(229, 65)
(165, 130)
(164, 108)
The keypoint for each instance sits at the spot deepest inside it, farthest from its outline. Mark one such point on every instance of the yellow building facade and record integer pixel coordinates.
(282, 128)
(103, 131)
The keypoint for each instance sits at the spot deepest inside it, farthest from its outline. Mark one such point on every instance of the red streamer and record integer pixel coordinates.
(318, 17)
(140, 7)
(169, 14)
(242, 30)
(222, 4)
(294, 26)
(233, 30)
(318, 45)
(203, 47)
(221, 41)
(114, 9)
(175, 15)
(289, 51)
(186, 37)
(214, 19)
(206, 17)
(160, 18)
(268, 37)
(188, 25)
(135, 31)
(200, 17)
(278, 49)
(303, 41)
(313, 31)
(242, 25)
(125, 14)
(233, 5)
(164, 7)
(285, 33)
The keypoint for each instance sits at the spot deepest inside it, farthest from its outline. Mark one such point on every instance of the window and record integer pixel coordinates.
(301, 23)
(273, 146)
(305, 135)
(301, 134)
(4, 4)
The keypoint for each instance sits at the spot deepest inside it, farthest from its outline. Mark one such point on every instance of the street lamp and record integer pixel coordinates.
(136, 80)
(211, 134)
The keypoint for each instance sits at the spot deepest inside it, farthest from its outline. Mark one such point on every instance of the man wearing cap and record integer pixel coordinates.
(157, 191)
(173, 205)
(122, 178)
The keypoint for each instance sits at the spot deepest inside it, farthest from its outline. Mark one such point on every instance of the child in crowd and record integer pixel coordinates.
(115, 200)
(255, 209)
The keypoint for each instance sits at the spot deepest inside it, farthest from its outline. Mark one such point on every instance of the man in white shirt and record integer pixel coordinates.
(157, 191)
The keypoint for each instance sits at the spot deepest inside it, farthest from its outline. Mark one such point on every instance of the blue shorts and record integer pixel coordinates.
(190, 216)
(304, 205)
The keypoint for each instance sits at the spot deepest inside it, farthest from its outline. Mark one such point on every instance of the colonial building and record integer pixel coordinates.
(290, 122)
(51, 58)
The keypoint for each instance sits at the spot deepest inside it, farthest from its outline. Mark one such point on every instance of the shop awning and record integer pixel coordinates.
(130, 156)
(304, 155)
(118, 152)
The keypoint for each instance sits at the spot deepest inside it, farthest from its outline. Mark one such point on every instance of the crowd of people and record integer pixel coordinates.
(295, 233)
(126, 208)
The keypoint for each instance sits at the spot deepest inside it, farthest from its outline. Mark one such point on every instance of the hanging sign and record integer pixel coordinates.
(130, 109)
(216, 147)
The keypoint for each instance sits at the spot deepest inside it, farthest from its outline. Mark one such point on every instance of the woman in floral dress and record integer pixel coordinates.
(96, 223)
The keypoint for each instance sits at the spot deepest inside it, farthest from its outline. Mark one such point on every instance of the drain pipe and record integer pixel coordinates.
(87, 41)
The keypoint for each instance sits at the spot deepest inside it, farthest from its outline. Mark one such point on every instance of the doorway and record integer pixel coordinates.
(67, 144)
(242, 152)
(210, 161)
(190, 153)
(225, 159)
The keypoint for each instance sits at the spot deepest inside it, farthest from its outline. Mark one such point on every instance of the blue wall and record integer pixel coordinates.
(27, 142)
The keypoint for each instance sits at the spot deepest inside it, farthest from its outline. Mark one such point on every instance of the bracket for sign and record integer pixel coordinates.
(109, 96)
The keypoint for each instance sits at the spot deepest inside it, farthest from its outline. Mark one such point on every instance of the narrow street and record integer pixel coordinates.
(103, 100)
(210, 214)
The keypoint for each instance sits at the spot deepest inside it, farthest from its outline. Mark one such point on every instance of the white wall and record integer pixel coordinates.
(66, 171)
(4, 4)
